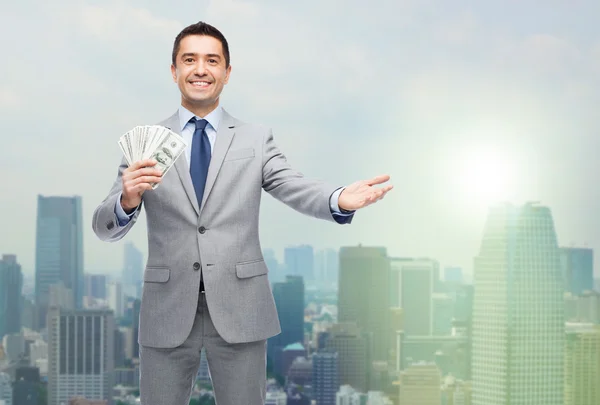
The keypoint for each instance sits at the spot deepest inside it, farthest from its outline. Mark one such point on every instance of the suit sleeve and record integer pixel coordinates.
(309, 196)
(105, 221)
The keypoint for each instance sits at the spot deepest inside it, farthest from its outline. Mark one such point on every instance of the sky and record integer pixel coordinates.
(462, 103)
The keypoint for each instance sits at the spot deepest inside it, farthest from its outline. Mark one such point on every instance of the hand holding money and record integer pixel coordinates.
(150, 151)
(136, 179)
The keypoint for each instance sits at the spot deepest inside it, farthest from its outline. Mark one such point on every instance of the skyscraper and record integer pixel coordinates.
(353, 348)
(275, 273)
(412, 287)
(518, 319)
(133, 269)
(11, 287)
(289, 299)
(578, 269)
(95, 286)
(363, 295)
(453, 274)
(80, 354)
(325, 376)
(326, 266)
(420, 384)
(59, 250)
(299, 261)
(582, 364)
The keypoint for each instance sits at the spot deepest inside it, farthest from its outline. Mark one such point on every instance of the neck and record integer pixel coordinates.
(200, 110)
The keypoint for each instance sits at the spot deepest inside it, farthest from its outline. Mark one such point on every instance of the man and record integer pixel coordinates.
(206, 283)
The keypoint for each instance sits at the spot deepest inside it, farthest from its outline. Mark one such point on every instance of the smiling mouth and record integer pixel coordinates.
(200, 84)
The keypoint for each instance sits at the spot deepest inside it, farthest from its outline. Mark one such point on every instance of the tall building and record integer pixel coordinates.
(453, 274)
(289, 299)
(133, 268)
(395, 328)
(578, 269)
(275, 272)
(95, 286)
(26, 387)
(583, 308)
(137, 305)
(325, 376)
(116, 300)
(80, 354)
(6, 390)
(582, 364)
(59, 250)
(443, 314)
(353, 349)
(363, 294)
(326, 266)
(299, 261)
(420, 384)
(518, 315)
(11, 288)
(413, 283)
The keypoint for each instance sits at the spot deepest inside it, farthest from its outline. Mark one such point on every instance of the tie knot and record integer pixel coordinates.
(200, 124)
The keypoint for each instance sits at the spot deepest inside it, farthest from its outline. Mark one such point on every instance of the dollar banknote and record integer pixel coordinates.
(167, 152)
(152, 141)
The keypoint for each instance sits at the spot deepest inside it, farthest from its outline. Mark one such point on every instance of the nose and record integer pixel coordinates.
(200, 68)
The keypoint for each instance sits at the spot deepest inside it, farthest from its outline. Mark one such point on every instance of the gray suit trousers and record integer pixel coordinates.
(237, 370)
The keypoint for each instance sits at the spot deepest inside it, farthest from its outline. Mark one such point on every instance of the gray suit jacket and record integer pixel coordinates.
(221, 238)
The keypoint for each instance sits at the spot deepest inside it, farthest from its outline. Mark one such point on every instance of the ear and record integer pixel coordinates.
(227, 73)
(174, 73)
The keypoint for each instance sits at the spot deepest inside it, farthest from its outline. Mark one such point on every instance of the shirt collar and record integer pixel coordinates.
(213, 118)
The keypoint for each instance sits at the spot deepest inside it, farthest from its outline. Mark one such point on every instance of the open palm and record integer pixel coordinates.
(362, 193)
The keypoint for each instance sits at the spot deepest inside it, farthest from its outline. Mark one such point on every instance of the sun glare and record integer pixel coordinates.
(486, 176)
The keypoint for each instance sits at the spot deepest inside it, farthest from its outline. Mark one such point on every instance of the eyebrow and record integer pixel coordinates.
(210, 55)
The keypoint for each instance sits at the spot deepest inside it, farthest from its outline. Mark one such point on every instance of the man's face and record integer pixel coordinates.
(200, 71)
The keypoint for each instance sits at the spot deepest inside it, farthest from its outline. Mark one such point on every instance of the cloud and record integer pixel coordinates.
(352, 89)
(10, 100)
(121, 23)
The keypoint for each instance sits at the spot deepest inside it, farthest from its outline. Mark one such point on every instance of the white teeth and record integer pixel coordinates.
(201, 83)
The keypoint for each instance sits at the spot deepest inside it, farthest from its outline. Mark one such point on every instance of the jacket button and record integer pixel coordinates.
(196, 266)
(202, 229)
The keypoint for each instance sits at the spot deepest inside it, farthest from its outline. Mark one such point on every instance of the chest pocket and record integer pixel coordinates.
(239, 154)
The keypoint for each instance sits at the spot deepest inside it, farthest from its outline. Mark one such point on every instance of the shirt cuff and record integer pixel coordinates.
(122, 216)
(333, 203)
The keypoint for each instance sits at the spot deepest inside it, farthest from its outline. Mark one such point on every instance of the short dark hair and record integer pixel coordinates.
(201, 28)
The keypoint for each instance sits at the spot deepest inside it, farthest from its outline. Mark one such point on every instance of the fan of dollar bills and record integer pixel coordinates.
(152, 142)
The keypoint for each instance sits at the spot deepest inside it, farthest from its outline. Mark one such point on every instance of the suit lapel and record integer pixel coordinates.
(182, 166)
(223, 140)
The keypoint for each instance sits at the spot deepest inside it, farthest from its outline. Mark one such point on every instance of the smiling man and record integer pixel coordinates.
(206, 282)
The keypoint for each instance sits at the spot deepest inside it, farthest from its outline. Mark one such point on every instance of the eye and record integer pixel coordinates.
(188, 60)
(212, 61)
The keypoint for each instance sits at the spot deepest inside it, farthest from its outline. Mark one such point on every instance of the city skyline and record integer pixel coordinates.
(522, 312)
(433, 95)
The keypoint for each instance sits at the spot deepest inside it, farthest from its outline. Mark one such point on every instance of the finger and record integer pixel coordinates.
(146, 179)
(140, 188)
(143, 163)
(146, 171)
(384, 190)
(378, 179)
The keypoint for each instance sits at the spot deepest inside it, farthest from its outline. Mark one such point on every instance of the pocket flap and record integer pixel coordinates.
(251, 269)
(157, 274)
(239, 154)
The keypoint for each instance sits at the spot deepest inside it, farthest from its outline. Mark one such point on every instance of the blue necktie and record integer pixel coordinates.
(200, 157)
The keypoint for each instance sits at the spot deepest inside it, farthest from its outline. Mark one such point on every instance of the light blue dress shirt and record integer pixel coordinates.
(187, 133)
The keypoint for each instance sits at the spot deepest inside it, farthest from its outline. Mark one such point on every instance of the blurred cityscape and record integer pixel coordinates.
(359, 327)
